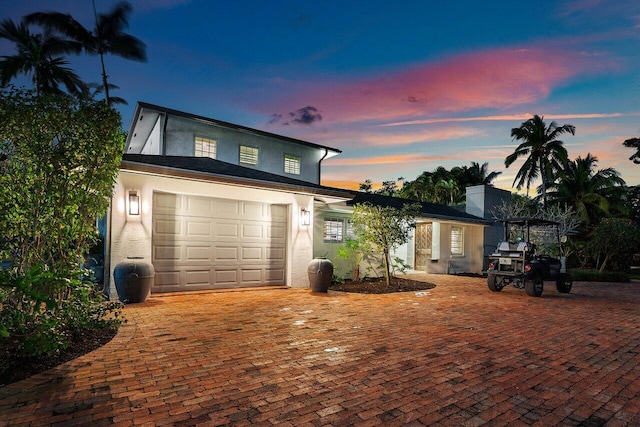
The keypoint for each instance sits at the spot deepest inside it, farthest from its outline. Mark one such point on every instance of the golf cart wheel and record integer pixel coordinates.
(564, 283)
(534, 287)
(492, 283)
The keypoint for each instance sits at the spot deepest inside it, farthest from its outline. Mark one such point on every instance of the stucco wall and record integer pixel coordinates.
(180, 134)
(444, 263)
(131, 235)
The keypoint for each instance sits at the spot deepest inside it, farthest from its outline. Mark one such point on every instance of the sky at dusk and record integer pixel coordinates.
(399, 87)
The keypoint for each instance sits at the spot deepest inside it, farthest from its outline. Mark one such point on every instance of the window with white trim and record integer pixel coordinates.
(333, 230)
(291, 164)
(205, 147)
(457, 240)
(248, 155)
(351, 234)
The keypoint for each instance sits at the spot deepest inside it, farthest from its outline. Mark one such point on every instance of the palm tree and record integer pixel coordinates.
(107, 37)
(38, 56)
(633, 143)
(544, 151)
(587, 190)
(479, 175)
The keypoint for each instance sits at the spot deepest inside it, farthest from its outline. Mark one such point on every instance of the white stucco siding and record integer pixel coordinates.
(132, 235)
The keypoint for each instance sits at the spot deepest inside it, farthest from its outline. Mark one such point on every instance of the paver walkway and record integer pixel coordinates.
(454, 355)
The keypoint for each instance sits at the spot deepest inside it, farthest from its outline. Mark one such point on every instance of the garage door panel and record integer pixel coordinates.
(225, 229)
(166, 253)
(198, 228)
(197, 277)
(198, 253)
(251, 231)
(275, 254)
(253, 210)
(226, 208)
(274, 275)
(210, 243)
(251, 254)
(223, 253)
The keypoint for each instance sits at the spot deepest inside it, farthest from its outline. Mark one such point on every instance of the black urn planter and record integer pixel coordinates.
(134, 279)
(320, 273)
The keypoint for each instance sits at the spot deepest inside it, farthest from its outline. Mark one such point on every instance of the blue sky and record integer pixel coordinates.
(399, 87)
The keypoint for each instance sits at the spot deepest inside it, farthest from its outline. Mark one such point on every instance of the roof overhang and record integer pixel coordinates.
(326, 194)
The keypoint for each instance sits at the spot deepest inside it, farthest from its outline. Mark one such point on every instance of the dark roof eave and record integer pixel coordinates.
(140, 105)
(210, 176)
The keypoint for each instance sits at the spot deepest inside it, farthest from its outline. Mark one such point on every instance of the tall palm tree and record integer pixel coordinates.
(107, 37)
(479, 175)
(38, 55)
(633, 143)
(587, 190)
(543, 150)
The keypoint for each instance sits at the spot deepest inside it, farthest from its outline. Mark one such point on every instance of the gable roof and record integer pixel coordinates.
(144, 108)
(429, 210)
(206, 168)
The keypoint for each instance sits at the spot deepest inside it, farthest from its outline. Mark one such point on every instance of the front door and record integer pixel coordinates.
(424, 233)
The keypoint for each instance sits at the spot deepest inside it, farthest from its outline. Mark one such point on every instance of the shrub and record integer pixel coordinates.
(596, 276)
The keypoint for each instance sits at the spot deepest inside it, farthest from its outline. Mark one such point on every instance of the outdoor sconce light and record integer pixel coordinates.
(305, 217)
(134, 203)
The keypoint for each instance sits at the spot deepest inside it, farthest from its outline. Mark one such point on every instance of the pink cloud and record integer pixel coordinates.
(499, 78)
(390, 159)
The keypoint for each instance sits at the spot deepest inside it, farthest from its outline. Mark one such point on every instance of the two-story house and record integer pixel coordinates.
(216, 205)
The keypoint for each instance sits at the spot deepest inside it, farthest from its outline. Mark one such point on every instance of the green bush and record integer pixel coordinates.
(39, 325)
(596, 276)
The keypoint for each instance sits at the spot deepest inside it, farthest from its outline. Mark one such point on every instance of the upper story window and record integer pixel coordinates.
(205, 147)
(457, 240)
(248, 155)
(332, 230)
(291, 164)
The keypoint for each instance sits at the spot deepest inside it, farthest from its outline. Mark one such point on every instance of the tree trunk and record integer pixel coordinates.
(604, 263)
(387, 273)
(543, 175)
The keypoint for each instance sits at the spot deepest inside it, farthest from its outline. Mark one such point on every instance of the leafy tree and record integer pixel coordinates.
(388, 188)
(615, 239)
(38, 55)
(544, 152)
(634, 143)
(61, 158)
(107, 37)
(588, 191)
(385, 228)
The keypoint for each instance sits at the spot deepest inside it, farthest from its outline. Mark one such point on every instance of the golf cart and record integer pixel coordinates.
(516, 262)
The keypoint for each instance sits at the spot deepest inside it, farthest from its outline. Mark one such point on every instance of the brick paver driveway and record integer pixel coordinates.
(455, 355)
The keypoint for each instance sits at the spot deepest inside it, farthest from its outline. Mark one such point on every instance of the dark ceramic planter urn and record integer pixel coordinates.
(320, 273)
(134, 279)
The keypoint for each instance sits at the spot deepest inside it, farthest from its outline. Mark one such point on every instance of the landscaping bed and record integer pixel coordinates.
(379, 286)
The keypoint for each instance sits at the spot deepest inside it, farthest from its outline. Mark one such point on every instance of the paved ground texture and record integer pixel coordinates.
(454, 355)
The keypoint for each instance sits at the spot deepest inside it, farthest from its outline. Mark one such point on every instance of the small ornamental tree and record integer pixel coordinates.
(59, 159)
(385, 228)
(614, 239)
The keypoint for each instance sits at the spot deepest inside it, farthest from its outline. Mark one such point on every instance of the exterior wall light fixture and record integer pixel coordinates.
(134, 203)
(305, 217)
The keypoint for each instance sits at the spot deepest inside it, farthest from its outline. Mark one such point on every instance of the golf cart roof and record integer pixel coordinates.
(526, 222)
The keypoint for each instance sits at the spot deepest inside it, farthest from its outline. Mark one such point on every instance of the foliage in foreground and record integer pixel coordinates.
(579, 275)
(59, 159)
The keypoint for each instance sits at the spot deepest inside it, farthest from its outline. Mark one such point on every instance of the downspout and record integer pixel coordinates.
(326, 153)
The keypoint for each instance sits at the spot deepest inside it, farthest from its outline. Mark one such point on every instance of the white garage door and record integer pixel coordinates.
(210, 243)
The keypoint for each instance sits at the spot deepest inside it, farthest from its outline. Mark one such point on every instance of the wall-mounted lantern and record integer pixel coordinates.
(134, 203)
(305, 217)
